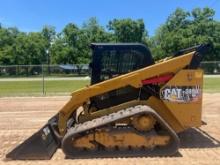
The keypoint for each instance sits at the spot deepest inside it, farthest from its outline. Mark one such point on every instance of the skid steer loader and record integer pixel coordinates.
(133, 107)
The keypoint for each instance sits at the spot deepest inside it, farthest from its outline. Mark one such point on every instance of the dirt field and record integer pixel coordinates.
(20, 117)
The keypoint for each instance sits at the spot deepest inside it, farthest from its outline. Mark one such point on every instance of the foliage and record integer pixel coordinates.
(182, 29)
(72, 44)
(128, 30)
(21, 48)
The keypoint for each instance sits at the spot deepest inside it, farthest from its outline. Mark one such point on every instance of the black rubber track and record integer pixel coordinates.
(80, 129)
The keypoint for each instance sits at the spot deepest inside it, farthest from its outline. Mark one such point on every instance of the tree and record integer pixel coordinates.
(95, 32)
(74, 42)
(128, 30)
(7, 40)
(64, 50)
(91, 32)
(62, 53)
(49, 33)
(184, 29)
(29, 49)
(70, 33)
(177, 20)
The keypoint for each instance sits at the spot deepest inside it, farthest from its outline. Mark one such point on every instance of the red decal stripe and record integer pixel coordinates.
(156, 80)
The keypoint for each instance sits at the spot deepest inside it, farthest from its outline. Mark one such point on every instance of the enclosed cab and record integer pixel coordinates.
(112, 60)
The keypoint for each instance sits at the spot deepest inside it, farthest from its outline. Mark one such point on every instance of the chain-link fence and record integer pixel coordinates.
(209, 67)
(38, 80)
(46, 70)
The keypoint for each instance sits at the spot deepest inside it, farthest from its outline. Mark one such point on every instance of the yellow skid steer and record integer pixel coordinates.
(133, 107)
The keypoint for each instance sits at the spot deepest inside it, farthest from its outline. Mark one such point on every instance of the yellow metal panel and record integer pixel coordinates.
(183, 97)
(165, 113)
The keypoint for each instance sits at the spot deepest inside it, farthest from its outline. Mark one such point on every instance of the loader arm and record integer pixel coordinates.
(133, 79)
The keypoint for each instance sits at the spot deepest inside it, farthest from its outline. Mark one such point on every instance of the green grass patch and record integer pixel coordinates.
(212, 85)
(35, 88)
(65, 87)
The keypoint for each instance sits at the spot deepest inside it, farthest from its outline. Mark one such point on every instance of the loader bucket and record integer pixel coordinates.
(41, 145)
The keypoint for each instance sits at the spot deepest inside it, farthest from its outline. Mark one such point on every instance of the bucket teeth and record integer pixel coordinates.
(41, 145)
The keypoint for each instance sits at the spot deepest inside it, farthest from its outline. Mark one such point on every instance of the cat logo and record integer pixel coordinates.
(181, 94)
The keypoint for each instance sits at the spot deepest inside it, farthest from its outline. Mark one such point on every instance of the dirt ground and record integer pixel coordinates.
(21, 117)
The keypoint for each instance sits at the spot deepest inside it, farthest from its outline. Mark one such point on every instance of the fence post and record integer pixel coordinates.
(43, 87)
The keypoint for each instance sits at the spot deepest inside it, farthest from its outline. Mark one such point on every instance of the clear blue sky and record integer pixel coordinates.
(32, 15)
